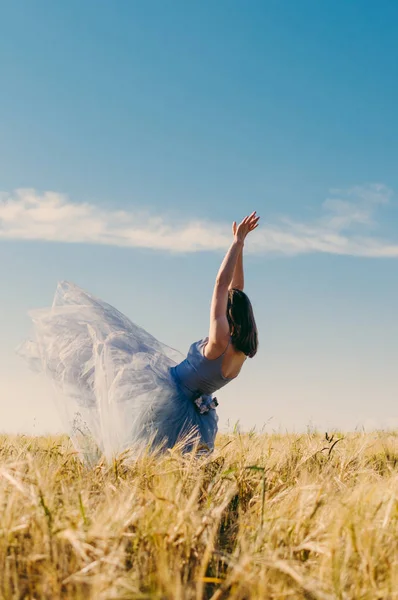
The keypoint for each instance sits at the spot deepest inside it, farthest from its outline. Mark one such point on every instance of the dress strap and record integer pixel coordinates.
(227, 346)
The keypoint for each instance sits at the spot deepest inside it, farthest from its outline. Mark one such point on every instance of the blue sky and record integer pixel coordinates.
(133, 133)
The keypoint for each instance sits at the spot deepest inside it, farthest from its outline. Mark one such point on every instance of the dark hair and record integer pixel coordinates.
(241, 322)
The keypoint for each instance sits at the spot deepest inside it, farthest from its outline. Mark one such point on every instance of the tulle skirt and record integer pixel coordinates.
(114, 387)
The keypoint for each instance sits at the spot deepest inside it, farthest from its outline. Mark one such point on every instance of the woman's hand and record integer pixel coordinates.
(248, 224)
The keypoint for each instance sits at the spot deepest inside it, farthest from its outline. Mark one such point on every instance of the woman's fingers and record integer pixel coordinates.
(254, 224)
(248, 218)
(254, 221)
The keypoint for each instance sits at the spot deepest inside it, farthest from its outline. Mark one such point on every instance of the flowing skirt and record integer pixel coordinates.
(115, 389)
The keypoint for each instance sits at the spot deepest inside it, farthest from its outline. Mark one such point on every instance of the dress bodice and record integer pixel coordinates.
(198, 375)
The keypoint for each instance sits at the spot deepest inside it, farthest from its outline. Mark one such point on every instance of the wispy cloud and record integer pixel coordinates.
(346, 225)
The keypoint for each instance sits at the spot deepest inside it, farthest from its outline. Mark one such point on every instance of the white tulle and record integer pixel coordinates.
(114, 378)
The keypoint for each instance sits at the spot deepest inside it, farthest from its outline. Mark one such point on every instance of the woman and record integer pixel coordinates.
(120, 387)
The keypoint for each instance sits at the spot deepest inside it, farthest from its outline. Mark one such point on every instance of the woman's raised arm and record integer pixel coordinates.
(219, 328)
(238, 278)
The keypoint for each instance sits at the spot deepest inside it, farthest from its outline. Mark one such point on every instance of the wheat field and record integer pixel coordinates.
(266, 516)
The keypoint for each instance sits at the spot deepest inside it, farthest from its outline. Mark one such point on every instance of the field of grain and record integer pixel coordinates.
(266, 516)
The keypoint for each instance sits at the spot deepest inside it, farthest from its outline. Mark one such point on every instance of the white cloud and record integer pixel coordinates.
(346, 225)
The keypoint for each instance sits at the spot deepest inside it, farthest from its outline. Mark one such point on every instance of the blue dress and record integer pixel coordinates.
(115, 385)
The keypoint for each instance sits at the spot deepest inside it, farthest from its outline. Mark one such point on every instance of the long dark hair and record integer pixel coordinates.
(241, 322)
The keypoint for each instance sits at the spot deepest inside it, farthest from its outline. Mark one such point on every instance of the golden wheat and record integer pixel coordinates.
(266, 516)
